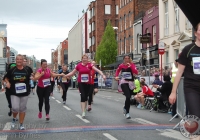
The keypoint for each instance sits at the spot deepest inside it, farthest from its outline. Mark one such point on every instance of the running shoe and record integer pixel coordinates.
(64, 102)
(142, 107)
(47, 117)
(128, 116)
(10, 113)
(13, 123)
(21, 127)
(89, 108)
(40, 115)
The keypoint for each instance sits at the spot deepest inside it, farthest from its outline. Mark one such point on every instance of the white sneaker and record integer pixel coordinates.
(21, 127)
(128, 116)
(13, 123)
(64, 102)
(83, 115)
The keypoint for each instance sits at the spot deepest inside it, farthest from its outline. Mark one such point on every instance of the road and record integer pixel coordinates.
(104, 122)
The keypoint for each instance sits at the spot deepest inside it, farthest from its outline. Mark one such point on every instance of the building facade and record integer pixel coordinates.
(100, 12)
(3, 40)
(150, 28)
(129, 11)
(64, 52)
(175, 30)
(13, 54)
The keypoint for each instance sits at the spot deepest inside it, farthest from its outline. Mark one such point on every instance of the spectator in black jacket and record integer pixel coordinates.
(165, 91)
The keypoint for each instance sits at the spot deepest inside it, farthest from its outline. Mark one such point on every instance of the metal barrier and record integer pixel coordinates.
(180, 102)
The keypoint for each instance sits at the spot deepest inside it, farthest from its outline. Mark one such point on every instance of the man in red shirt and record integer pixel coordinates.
(146, 91)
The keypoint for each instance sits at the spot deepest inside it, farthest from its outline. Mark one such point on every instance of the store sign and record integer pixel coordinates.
(145, 39)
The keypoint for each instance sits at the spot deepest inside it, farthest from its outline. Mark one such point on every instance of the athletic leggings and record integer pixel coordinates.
(192, 98)
(84, 91)
(90, 94)
(65, 87)
(19, 103)
(52, 86)
(127, 92)
(8, 99)
(43, 95)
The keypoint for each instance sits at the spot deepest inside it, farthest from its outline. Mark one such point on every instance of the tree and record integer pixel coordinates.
(107, 49)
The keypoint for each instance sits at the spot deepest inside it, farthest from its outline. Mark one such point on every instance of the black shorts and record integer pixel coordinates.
(95, 85)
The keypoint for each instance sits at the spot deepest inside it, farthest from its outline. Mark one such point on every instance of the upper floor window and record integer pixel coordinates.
(107, 9)
(125, 22)
(166, 18)
(117, 9)
(147, 31)
(120, 3)
(129, 16)
(154, 35)
(176, 8)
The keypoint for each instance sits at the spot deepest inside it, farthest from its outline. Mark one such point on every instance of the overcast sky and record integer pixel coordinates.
(34, 27)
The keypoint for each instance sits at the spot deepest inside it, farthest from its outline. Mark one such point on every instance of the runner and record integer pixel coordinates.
(17, 80)
(84, 79)
(128, 70)
(64, 83)
(44, 87)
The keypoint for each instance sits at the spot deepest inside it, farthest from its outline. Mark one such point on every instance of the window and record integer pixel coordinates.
(116, 23)
(65, 56)
(124, 22)
(107, 9)
(93, 40)
(130, 43)
(147, 31)
(154, 35)
(176, 53)
(124, 2)
(130, 22)
(120, 4)
(93, 26)
(176, 8)
(120, 23)
(166, 19)
(166, 57)
(124, 45)
(117, 9)
(121, 46)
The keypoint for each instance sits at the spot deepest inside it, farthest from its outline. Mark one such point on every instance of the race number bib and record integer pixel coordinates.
(20, 88)
(46, 82)
(84, 78)
(64, 80)
(127, 75)
(196, 65)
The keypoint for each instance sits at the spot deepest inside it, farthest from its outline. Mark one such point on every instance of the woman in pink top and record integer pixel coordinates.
(84, 80)
(43, 76)
(128, 70)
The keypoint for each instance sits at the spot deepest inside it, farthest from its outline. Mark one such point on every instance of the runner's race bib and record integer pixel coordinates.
(64, 80)
(46, 82)
(196, 65)
(84, 78)
(127, 75)
(20, 88)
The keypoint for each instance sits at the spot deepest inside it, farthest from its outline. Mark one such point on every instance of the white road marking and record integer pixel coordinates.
(109, 136)
(6, 127)
(58, 101)
(52, 97)
(170, 133)
(143, 121)
(67, 107)
(86, 121)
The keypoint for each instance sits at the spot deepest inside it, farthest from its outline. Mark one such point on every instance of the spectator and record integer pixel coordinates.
(157, 81)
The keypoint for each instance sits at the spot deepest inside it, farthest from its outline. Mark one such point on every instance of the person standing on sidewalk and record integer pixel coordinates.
(17, 80)
(84, 80)
(64, 83)
(43, 76)
(74, 81)
(128, 70)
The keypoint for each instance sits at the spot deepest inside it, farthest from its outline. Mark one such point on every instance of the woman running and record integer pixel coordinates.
(43, 76)
(188, 63)
(128, 71)
(17, 80)
(84, 80)
(64, 83)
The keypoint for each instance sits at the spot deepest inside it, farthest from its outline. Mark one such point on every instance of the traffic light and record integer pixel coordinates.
(4, 52)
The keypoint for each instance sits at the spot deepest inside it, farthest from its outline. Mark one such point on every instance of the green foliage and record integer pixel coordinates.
(107, 49)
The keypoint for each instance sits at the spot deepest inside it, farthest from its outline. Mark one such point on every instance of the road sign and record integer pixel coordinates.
(161, 48)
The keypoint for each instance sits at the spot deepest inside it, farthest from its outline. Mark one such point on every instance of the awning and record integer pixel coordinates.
(191, 10)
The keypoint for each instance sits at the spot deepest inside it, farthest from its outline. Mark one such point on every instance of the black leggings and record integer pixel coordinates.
(91, 94)
(43, 95)
(192, 99)
(84, 91)
(65, 87)
(127, 92)
(52, 86)
(8, 99)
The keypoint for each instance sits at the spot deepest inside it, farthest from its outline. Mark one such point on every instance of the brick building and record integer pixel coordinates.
(128, 11)
(64, 52)
(100, 11)
(55, 60)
